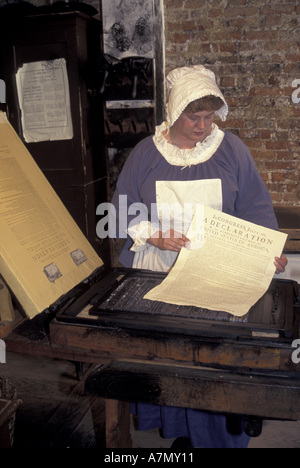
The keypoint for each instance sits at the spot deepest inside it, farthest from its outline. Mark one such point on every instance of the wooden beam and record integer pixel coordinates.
(116, 343)
(118, 424)
(265, 396)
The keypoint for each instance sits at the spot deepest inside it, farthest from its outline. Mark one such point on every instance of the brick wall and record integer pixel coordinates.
(253, 47)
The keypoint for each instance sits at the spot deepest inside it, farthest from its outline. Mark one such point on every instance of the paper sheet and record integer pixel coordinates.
(128, 28)
(44, 99)
(230, 272)
(43, 253)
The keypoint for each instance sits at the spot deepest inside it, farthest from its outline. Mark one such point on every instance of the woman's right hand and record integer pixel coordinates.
(170, 240)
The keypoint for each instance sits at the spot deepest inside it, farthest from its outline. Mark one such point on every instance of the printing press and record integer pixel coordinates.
(186, 356)
(175, 355)
(82, 310)
(144, 351)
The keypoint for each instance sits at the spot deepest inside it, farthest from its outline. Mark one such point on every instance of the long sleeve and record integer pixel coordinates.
(133, 213)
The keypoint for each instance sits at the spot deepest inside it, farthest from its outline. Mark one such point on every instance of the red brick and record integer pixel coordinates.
(229, 47)
(174, 4)
(234, 12)
(227, 81)
(180, 38)
(278, 176)
(191, 4)
(276, 145)
(266, 91)
(226, 35)
(260, 35)
(252, 47)
(215, 13)
(293, 57)
(189, 26)
(285, 9)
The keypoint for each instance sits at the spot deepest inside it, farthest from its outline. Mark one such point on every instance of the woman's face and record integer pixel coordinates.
(191, 129)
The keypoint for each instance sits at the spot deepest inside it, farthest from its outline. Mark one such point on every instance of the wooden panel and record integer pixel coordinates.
(293, 240)
(288, 218)
(117, 424)
(264, 342)
(225, 392)
(116, 343)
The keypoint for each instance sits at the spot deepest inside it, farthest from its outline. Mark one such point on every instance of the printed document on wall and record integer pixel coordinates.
(44, 100)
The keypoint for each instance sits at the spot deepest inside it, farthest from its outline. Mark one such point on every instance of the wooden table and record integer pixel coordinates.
(172, 364)
(243, 371)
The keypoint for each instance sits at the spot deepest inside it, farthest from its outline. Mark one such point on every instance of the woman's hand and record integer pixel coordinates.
(280, 264)
(174, 241)
(170, 240)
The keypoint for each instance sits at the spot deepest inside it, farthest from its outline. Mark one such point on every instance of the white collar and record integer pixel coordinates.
(187, 157)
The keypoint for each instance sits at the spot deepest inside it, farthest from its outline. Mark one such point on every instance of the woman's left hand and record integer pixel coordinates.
(280, 264)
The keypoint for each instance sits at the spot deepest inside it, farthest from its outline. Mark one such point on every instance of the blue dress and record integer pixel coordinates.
(245, 196)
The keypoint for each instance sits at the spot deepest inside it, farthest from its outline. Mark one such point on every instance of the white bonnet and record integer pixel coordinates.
(185, 85)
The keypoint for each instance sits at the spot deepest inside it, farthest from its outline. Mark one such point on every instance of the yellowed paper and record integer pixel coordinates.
(7, 313)
(230, 272)
(43, 253)
(44, 99)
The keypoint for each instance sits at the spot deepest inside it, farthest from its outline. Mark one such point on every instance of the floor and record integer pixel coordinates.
(55, 413)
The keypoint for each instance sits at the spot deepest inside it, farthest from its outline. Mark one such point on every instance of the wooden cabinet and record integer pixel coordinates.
(76, 168)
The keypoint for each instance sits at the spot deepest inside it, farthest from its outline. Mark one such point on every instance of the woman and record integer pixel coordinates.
(189, 160)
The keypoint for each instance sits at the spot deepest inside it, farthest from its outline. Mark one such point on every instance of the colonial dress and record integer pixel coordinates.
(219, 173)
